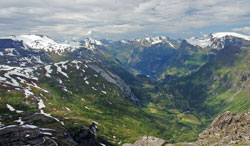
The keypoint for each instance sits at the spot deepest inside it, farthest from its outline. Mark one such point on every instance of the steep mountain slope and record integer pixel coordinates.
(71, 87)
(158, 57)
(144, 56)
(16, 53)
(220, 85)
(163, 58)
(75, 95)
(71, 90)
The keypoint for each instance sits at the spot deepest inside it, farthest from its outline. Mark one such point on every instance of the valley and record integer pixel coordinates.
(157, 86)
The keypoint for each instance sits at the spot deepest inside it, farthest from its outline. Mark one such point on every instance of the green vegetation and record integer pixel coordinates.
(160, 61)
(119, 120)
(199, 85)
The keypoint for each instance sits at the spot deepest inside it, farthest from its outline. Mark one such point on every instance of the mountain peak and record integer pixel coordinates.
(233, 34)
(156, 40)
(93, 41)
(40, 42)
(209, 40)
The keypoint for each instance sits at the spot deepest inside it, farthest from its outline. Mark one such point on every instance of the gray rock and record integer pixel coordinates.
(147, 141)
(228, 129)
(112, 78)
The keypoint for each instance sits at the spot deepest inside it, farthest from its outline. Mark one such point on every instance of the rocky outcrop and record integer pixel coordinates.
(29, 133)
(228, 129)
(112, 78)
(147, 141)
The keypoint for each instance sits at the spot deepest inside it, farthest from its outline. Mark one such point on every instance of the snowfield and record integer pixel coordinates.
(207, 41)
(42, 42)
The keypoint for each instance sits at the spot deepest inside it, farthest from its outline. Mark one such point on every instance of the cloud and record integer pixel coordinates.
(243, 30)
(116, 19)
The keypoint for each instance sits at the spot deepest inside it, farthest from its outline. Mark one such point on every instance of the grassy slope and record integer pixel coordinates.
(222, 84)
(185, 126)
(119, 119)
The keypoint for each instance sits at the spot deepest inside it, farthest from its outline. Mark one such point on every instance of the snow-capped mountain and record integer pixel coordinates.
(16, 53)
(42, 42)
(149, 41)
(30, 50)
(143, 42)
(91, 43)
(218, 40)
(26, 78)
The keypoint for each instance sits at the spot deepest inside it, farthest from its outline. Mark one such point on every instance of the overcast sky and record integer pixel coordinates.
(119, 19)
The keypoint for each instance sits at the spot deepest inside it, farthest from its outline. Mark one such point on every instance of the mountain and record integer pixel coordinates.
(30, 50)
(69, 89)
(48, 88)
(222, 83)
(164, 58)
(41, 42)
(16, 53)
(144, 56)
(218, 40)
(158, 57)
(219, 85)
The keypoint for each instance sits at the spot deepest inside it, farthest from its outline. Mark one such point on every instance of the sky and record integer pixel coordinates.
(123, 19)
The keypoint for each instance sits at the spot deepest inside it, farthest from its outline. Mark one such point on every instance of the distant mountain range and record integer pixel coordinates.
(153, 86)
(161, 57)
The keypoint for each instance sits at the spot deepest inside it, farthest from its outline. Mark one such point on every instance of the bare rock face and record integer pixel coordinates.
(228, 129)
(147, 141)
(52, 134)
(112, 78)
(29, 134)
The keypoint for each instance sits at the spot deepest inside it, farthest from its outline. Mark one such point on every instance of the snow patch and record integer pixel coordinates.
(46, 133)
(19, 111)
(10, 51)
(41, 104)
(29, 126)
(28, 93)
(19, 121)
(48, 115)
(77, 63)
(223, 34)
(68, 109)
(48, 70)
(59, 69)
(104, 92)
(199, 42)
(60, 81)
(94, 88)
(10, 107)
